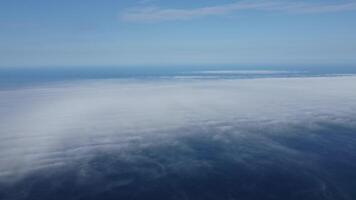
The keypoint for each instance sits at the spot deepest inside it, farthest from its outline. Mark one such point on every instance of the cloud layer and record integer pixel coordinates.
(135, 139)
(47, 126)
(156, 14)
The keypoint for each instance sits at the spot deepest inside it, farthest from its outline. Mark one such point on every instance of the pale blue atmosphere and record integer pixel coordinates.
(119, 33)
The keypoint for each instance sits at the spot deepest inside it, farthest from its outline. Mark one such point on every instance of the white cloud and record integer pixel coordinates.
(154, 14)
(46, 127)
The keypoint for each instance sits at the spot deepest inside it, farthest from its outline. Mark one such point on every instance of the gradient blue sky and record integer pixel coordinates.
(47, 33)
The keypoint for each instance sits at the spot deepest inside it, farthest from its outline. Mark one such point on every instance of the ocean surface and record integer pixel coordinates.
(184, 134)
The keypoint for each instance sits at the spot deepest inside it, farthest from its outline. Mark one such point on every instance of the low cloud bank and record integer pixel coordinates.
(158, 130)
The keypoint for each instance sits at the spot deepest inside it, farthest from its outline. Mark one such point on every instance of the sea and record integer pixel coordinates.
(200, 133)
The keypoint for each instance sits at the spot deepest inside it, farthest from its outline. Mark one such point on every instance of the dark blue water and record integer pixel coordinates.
(260, 163)
(15, 77)
(311, 163)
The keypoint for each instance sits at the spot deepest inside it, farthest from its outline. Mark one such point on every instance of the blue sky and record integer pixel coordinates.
(49, 33)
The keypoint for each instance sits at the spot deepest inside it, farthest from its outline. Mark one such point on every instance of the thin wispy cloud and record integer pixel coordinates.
(157, 14)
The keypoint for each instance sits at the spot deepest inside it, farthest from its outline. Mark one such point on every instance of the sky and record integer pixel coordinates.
(49, 33)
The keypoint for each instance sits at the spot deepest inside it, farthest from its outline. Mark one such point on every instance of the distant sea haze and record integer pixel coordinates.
(192, 134)
(17, 77)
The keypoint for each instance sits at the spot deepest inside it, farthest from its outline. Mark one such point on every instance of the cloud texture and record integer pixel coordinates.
(155, 129)
(155, 14)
